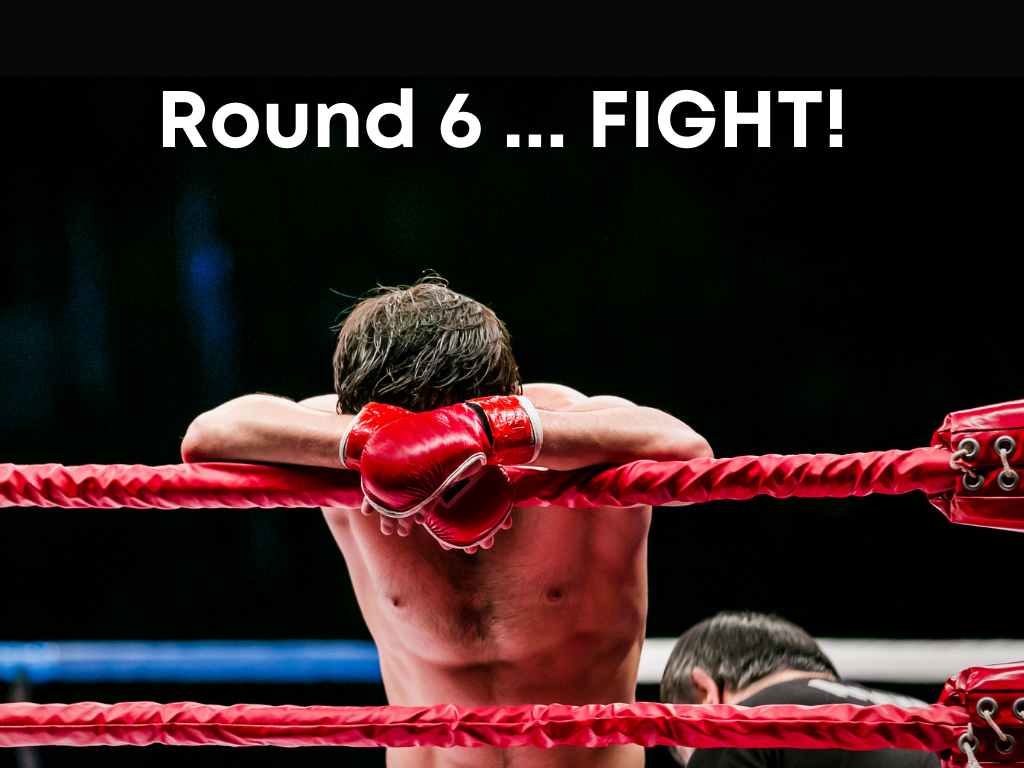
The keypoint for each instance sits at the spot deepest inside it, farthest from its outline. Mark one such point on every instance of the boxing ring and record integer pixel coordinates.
(970, 472)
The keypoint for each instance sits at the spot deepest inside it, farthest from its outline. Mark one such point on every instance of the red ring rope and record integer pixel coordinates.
(196, 486)
(843, 726)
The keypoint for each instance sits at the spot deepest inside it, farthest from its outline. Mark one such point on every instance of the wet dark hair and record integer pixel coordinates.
(737, 648)
(421, 347)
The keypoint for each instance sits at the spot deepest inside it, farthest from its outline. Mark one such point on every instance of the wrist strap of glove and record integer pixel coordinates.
(370, 418)
(513, 427)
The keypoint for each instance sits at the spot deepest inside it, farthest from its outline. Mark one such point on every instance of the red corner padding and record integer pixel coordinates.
(989, 505)
(843, 726)
(1003, 686)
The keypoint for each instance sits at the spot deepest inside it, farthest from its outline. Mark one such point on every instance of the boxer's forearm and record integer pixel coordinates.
(263, 428)
(574, 439)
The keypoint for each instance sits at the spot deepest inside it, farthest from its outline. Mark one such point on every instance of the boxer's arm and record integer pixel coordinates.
(264, 428)
(582, 431)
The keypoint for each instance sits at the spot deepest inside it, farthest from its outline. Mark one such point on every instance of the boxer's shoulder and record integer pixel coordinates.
(558, 397)
(553, 397)
(324, 403)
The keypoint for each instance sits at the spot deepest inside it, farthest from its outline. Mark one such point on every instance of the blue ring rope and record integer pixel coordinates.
(208, 661)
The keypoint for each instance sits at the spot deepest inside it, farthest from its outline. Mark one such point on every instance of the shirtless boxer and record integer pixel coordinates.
(551, 610)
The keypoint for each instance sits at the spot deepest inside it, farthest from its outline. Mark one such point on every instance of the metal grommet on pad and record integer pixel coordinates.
(987, 706)
(1009, 479)
(972, 446)
(1018, 708)
(973, 483)
(1007, 443)
(968, 740)
(1006, 746)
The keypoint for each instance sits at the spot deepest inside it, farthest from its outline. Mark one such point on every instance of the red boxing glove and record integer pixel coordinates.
(472, 510)
(409, 463)
(370, 418)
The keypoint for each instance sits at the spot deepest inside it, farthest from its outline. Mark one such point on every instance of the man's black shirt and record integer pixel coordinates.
(812, 692)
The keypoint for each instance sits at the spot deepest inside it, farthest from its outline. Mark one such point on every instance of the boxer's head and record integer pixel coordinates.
(420, 348)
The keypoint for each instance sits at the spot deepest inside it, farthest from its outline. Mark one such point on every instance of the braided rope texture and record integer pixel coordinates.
(844, 726)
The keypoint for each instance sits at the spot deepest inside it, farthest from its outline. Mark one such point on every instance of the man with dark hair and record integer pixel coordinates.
(553, 610)
(421, 348)
(750, 659)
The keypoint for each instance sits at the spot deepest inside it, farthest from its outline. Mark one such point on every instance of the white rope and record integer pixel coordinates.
(994, 725)
(954, 462)
(972, 761)
(879, 661)
(1006, 462)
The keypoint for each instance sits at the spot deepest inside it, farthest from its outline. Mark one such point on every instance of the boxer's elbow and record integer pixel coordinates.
(685, 445)
(701, 448)
(672, 440)
(203, 440)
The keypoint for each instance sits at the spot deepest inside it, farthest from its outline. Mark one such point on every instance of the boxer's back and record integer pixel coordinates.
(553, 613)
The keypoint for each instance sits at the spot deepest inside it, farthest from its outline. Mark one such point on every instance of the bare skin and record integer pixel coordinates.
(552, 610)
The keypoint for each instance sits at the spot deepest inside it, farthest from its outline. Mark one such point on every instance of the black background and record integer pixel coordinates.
(777, 299)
